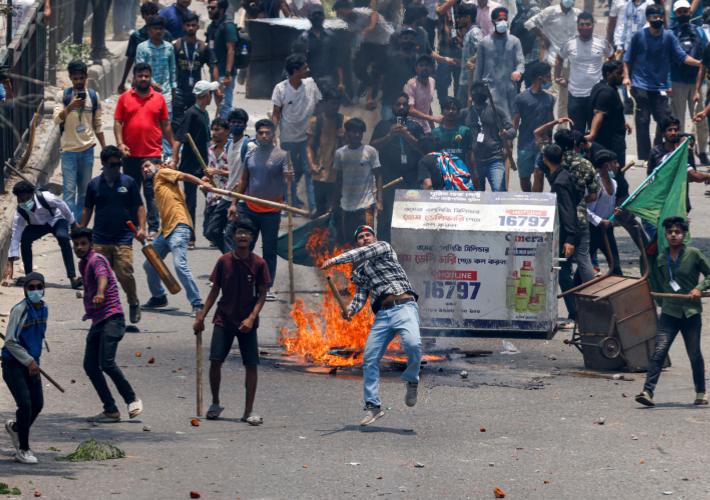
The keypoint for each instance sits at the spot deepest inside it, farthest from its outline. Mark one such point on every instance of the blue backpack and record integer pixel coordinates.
(454, 172)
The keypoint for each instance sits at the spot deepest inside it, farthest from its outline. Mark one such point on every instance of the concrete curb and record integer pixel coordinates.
(105, 77)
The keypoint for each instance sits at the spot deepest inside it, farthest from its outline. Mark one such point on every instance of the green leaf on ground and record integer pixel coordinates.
(52, 448)
(70, 478)
(90, 449)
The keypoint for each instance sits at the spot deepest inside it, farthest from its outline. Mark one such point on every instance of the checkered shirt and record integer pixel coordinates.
(91, 267)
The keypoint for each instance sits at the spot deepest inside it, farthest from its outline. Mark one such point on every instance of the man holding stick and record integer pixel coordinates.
(20, 364)
(242, 277)
(394, 303)
(265, 169)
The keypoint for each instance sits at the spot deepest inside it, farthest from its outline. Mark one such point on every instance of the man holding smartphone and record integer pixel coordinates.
(77, 111)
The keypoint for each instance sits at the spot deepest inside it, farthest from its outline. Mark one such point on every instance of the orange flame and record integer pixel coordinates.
(318, 331)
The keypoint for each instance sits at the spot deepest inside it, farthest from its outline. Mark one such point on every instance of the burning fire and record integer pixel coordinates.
(318, 331)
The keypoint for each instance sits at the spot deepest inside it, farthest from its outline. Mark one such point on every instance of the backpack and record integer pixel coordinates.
(518, 29)
(692, 43)
(319, 131)
(245, 145)
(242, 47)
(454, 172)
(38, 192)
(67, 99)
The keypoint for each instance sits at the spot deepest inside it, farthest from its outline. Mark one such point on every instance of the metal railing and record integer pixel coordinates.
(24, 59)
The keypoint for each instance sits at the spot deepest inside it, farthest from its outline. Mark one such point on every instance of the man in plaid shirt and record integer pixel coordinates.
(395, 307)
(108, 325)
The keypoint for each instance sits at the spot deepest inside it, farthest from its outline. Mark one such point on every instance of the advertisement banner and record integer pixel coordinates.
(479, 260)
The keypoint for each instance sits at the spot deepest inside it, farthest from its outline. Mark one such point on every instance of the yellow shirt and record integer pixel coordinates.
(88, 123)
(326, 151)
(170, 199)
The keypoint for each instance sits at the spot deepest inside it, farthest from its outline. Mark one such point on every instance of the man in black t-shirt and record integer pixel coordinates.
(323, 53)
(190, 56)
(609, 128)
(396, 141)
(398, 69)
(429, 171)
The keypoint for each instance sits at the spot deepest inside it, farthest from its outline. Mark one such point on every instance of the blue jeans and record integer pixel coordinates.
(267, 223)
(167, 147)
(76, 174)
(177, 244)
(495, 173)
(585, 271)
(402, 319)
(668, 328)
(228, 92)
(301, 168)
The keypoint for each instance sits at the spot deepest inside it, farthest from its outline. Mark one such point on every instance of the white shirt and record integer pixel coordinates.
(39, 217)
(603, 208)
(557, 26)
(586, 59)
(618, 10)
(297, 107)
(235, 161)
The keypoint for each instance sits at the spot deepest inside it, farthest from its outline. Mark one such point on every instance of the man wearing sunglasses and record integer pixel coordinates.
(116, 199)
(242, 277)
(20, 364)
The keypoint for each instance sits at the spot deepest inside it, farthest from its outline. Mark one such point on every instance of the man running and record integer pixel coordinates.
(395, 307)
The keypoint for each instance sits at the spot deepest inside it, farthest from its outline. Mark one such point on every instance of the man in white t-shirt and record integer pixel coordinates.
(294, 103)
(617, 20)
(375, 32)
(586, 53)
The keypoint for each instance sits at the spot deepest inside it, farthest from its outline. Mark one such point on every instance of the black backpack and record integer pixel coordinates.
(692, 43)
(38, 192)
(242, 48)
(67, 99)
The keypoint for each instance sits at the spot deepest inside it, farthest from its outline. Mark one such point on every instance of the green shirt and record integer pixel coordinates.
(456, 141)
(691, 262)
(218, 36)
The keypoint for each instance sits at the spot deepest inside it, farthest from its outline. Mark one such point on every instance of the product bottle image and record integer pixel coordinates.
(534, 305)
(511, 289)
(521, 300)
(540, 292)
(527, 275)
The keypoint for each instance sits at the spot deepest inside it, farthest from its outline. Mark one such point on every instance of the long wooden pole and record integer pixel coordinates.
(338, 297)
(289, 196)
(628, 166)
(198, 350)
(44, 374)
(199, 157)
(259, 201)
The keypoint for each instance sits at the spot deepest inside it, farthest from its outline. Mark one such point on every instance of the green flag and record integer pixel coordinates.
(663, 194)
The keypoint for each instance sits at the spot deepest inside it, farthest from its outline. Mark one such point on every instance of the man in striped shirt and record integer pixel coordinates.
(108, 325)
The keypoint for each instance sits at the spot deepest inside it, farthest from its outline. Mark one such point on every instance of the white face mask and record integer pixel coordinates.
(35, 295)
(502, 27)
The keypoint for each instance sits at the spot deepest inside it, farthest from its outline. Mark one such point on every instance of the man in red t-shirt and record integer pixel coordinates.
(141, 121)
(243, 278)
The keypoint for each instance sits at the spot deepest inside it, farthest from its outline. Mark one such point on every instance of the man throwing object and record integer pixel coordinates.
(395, 307)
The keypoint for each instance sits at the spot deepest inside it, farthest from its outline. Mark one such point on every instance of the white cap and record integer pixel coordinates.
(680, 4)
(202, 87)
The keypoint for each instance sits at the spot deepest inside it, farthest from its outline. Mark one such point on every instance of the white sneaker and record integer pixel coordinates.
(25, 457)
(13, 435)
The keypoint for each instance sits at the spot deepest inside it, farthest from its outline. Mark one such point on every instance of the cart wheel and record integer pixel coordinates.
(610, 347)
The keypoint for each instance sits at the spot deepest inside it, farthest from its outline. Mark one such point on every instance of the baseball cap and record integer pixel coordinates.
(680, 4)
(406, 30)
(316, 8)
(202, 87)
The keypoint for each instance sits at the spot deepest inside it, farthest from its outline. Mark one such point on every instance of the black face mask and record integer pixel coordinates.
(682, 19)
(407, 46)
(111, 174)
(656, 24)
(479, 97)
(317, 22)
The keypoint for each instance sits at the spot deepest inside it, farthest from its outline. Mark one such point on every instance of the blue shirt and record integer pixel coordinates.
(162, 63)
(113, 207)
(174, 18)
(651, 57)
(32, 334)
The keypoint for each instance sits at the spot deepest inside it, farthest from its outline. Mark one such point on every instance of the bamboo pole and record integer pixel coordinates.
(44, 374)
(628, 166)
(289, 196)
(259, 201)
(199, 157)
(338, 297)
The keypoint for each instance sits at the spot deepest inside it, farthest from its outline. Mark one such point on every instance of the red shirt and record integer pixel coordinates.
(239, 280)
(141, 122)
(91, 267)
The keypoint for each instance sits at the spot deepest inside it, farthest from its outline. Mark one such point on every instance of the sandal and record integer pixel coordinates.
(20, 281)
(135, 408)
(102, 418)
(190, 245)
(216, 411)
(77, 283)
(566, 325)
(701, 398)
(253, 419)
(151, 236)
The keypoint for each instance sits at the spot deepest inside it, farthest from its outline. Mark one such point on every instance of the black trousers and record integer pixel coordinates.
(324, 196)
(215, 224)
(32, 233)
(369, 62)
(596, 242)
(27, 392)
(101, 9)
(579, 112)
(648, 103)
(132, 167)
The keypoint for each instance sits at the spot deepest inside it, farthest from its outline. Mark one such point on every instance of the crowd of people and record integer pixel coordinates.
(524, 70)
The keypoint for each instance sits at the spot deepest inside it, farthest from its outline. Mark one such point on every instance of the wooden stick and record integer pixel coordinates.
(289, 195)
(259, 201)
(198, 339)
(677, 296)
(199, 157)
(338, 297)
(50, 379)
(628, 166)
(391, 183)
(16, 172)
(508, 151)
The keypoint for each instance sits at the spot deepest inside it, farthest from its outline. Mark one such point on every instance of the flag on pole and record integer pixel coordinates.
(663, 194)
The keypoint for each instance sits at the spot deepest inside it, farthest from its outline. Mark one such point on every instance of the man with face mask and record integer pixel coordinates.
(555, 25)
(116, 199)
(44, 213)
(646, 66)
(323, 53)
(26, 328)
(500, 62)
(397, 71)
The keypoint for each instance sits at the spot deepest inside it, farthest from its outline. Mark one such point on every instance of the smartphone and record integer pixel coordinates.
(400, 120)
(81, 95)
